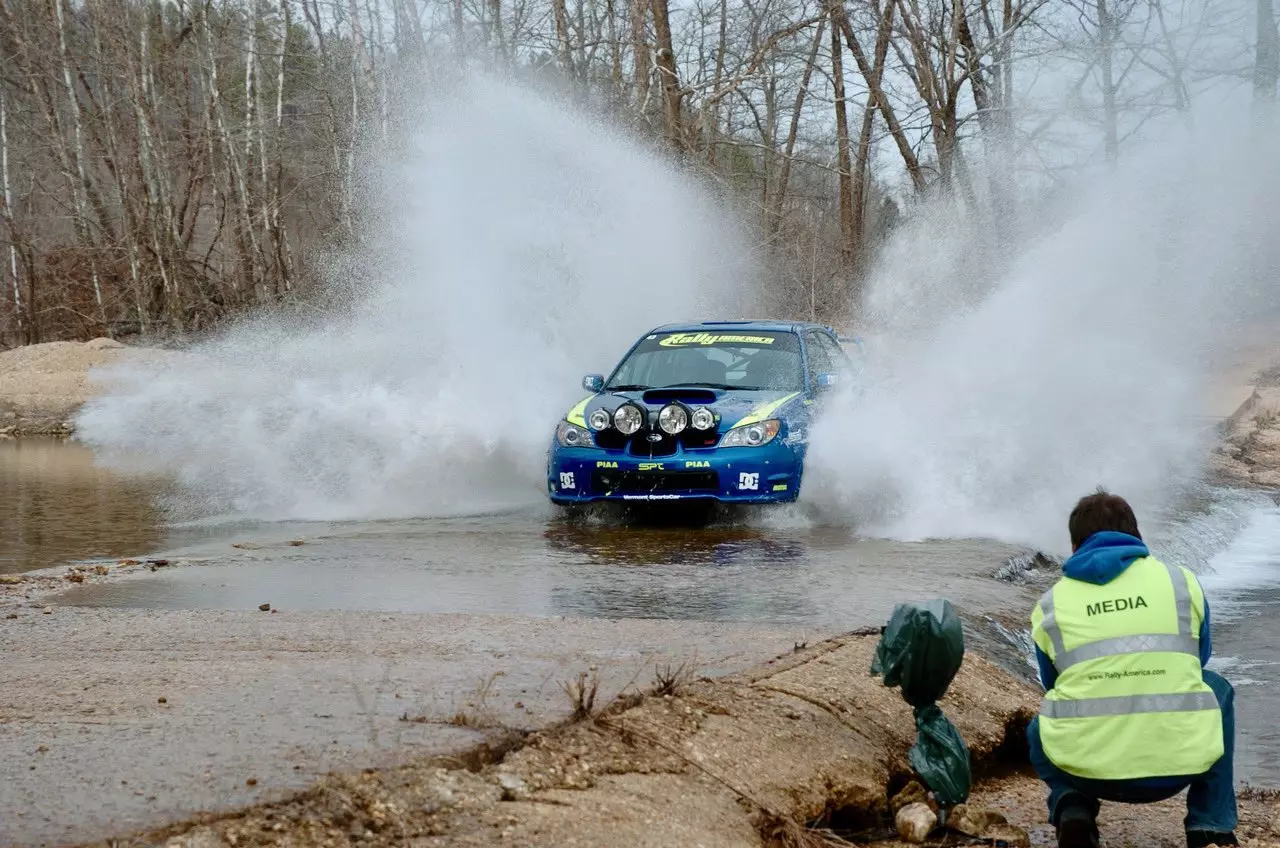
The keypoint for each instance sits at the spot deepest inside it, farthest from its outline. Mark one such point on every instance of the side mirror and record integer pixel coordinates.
(593, 382)
(827, 381)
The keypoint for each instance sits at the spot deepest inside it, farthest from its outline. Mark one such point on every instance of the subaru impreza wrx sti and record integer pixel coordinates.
(713, 411)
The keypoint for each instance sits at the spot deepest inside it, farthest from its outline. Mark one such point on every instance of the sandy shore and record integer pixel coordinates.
(43, 386)
(116, 720)
(796, 752)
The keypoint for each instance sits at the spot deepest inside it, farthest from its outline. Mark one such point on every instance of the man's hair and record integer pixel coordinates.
(1101, 511)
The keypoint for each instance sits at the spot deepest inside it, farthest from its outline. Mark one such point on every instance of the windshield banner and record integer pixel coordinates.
(682, 339)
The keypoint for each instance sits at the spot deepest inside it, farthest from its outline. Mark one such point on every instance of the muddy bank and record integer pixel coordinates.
(43, 386)
(807, 747)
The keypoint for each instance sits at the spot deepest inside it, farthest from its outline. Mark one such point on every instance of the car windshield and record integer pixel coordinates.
(747, 360)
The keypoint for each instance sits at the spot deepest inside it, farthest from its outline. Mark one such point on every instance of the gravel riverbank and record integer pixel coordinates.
(43, 386)
(805, 750)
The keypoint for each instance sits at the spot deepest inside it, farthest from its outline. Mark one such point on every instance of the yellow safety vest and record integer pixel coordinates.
(1130, 700)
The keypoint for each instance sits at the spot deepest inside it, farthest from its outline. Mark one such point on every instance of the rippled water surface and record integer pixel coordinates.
(55, 505)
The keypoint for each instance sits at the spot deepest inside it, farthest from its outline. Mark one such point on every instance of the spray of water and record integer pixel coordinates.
(992, 403)
(516, 241)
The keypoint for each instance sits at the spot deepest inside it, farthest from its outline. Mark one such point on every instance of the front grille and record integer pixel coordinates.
(626, 482)
(639, 444)
(642, 445)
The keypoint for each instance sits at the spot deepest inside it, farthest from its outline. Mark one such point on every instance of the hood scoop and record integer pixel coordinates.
(691, 395)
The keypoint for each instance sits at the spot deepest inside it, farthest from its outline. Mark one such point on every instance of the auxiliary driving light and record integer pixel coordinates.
(628, 418)
(599, 420)
(703, 419)
(673, 418)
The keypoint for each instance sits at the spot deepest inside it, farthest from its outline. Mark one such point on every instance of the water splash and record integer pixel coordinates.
(994, 401)
(515, 242)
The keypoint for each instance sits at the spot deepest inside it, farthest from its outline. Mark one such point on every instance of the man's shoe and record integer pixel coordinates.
(1205, 838)
(1077, 828)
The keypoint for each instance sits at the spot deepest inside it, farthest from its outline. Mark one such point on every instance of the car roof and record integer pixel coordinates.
(739, 326)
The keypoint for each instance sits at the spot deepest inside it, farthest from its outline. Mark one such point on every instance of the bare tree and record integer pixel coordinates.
(1266, 66)
(163, 167)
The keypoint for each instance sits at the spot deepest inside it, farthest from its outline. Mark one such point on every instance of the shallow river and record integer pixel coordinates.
(55, 506)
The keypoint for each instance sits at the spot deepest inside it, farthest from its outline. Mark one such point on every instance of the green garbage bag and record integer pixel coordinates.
(940, 757)
(920, 651)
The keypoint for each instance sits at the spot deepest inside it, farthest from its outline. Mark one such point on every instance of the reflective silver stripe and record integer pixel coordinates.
(1184, 702)
(1050, 625)
(1164, 642)
(1181, 643)
(1181, 598)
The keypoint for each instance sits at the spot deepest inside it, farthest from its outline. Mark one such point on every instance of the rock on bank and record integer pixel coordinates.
(43, 386)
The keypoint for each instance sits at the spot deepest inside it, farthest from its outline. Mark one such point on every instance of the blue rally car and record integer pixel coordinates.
(716, 411)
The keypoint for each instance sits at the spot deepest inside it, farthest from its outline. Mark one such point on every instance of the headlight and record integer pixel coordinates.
(628, 418)
(703, 419)
(573, 436)
(599, 420)
(752, 435)
(673, 418)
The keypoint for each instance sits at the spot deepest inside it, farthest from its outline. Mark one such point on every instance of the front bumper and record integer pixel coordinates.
(767, 474)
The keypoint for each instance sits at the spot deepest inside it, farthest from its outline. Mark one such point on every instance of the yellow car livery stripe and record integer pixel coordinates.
(574, 416)
(762, 413)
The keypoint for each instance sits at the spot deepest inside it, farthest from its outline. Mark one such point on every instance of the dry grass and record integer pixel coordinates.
(582, 694)
(778, 831)
(668, 681)
(475, 713)
(1258, 793)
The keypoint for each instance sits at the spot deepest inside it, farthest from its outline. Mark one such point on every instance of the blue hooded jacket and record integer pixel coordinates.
(1102, 558)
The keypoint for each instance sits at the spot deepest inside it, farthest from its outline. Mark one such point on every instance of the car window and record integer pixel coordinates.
(749, 360)
(819, 357)
(836, 355)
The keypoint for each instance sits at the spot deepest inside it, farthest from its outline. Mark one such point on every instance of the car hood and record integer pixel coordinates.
(733, 407)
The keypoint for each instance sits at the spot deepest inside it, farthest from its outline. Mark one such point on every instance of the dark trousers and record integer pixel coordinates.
(1211, 801)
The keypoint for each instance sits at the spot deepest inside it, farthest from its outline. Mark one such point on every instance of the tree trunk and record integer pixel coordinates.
(848, 243)
(774, 222)
(712, 127)
(562, 35)
(640, 50)
(1266, 67)
(877, 95)
(1107, 37)
(82, 188)
(280, 238)
(988, 91)
(671, 94)
(862, 165)
(6, 211)
(615, 54)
